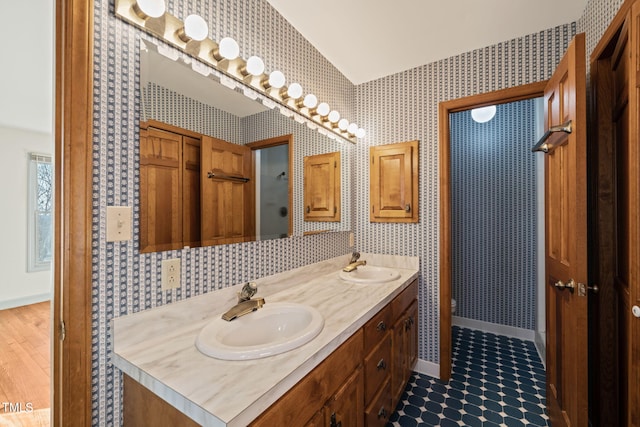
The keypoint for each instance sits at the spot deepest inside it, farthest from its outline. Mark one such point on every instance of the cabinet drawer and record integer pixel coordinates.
(379, 410)
(377, 368)
(376, 328)
(402, 301)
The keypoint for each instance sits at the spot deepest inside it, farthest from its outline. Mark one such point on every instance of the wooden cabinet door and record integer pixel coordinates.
(346, 407)
(411, 338)
(225, 197)
(190, 191)
(566, 242)
(393, 183)
(160, 190)
(322, 187)
(398, 361)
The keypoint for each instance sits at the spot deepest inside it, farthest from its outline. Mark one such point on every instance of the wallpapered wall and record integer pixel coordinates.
(392, 109)
(493, 212)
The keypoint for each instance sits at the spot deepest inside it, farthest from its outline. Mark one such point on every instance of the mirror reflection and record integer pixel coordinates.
(217, 167)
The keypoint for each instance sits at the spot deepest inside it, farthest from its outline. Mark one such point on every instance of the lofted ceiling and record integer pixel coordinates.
(369, 39)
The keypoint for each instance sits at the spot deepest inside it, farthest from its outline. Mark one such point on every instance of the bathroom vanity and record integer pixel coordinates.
(353, 372)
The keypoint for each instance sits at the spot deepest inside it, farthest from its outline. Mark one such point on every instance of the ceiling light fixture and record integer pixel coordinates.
(483, 114)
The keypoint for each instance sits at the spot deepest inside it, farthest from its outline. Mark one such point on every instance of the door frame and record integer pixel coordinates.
(71, 357)
(607, 372)
(286, 139)
(519, 93)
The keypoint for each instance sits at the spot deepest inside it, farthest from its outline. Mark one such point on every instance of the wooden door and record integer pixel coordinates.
(160, 190)
(393, 185)
(225, 189)
(633, 214)
(191, 191)
(566, 241)
(322, 187)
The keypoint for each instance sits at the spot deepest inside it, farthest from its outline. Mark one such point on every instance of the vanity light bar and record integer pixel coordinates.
(191, 37)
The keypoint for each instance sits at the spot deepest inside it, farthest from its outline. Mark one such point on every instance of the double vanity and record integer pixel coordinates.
(326, 347)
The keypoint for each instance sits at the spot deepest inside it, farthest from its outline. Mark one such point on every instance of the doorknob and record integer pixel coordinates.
(636, 311)
(582, 289)
(571, 284)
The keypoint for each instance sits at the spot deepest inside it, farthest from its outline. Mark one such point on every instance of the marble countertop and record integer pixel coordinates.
(157, 347)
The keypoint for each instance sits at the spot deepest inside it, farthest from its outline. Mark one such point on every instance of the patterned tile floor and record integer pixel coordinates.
(496, 381)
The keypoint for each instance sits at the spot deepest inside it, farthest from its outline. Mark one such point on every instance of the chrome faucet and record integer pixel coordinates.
(245, 304)
(354, 263)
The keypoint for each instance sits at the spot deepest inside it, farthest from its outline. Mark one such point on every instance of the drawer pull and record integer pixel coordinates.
(382, 413)
(381, 364)
(381, 326)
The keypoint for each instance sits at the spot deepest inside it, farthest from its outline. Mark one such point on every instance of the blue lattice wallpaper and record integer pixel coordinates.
(395, 108)
(493, 215)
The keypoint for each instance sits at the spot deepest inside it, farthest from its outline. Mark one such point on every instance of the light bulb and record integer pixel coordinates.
(483, 114)
(310, 101)
(195, 28)
(276, 79)
(352, 128)
(228, 48)
(294, 91)
(343, 124)
(255, 66)
(334, 116)
(360, 133)
(149, 8)
(323, 109)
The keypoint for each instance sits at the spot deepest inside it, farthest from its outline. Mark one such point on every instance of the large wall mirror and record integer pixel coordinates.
(230, 167)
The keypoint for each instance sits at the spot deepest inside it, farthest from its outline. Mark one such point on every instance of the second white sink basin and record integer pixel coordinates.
(273, 329)
(370, 274)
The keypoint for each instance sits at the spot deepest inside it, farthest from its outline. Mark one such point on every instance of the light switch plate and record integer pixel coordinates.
(118, 223)
(352, 240)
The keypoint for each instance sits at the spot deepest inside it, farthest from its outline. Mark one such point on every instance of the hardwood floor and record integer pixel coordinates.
(25, 380)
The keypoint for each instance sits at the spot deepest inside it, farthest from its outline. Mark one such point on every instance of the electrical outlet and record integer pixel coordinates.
(352, 239)
(170, 274)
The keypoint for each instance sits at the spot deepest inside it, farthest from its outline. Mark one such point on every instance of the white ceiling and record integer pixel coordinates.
(369, 39)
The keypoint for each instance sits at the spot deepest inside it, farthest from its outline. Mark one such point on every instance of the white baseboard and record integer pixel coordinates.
(19, 302)
(510, 331)
(427, 368)
(541, 346)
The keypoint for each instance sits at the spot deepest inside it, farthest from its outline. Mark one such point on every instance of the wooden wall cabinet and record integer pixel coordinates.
(357, 385)
(322, 187)
(179, 204)
(169, 188)
(393, 182)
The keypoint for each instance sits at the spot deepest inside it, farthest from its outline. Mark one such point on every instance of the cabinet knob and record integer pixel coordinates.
(381, 364)
(308, 209)
(407, 207)
(381, 326)
(333, 421)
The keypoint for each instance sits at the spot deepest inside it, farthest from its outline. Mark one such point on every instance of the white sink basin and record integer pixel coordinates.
(370, 274)
(273, 329)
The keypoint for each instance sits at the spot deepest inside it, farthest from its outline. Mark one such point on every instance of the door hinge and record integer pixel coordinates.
(335, 164)
(335, 210)
(62, 331)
